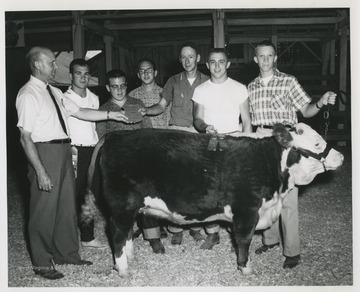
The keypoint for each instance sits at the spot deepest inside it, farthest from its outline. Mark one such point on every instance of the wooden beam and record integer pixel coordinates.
(343, 63)
(285, 21)
(161, 24)
(325, 61)
(311, 51)
(108, 53)
(97, 28)
(78, 36)
(219, 29)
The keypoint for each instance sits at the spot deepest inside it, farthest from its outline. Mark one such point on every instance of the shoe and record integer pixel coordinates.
(265, 248)
(210, 241)
(177, 238)
(94, 244)
(163, 233)
(50, 274)
(291, 262)
(196, 234)
(157, 246)
(82, 263)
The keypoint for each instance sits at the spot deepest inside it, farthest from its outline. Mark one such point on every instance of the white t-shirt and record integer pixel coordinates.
(83, 132)
(37, 113)
(221, 103)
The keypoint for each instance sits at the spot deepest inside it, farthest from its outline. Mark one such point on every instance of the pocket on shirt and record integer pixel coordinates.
(278, 102)
(178, 100)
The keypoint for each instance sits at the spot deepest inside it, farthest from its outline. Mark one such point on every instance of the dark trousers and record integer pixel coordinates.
(52, 228)
(83, 162)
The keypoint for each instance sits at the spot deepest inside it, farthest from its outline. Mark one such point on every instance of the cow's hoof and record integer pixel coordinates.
(247, 270)
(121, 273)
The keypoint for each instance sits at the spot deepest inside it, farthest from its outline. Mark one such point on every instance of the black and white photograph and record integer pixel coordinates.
(183, 145)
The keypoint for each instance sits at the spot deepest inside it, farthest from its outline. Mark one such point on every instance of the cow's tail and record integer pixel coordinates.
(88, 209)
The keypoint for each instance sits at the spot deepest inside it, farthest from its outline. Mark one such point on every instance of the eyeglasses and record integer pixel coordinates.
(146, 71)
(117, 87)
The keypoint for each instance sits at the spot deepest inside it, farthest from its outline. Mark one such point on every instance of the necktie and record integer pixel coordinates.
(57, 109)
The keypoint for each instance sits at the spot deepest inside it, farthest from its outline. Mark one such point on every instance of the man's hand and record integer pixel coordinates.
(143, 111)
(118, 116)
(44, 182)
(328, 98)
(210, 129)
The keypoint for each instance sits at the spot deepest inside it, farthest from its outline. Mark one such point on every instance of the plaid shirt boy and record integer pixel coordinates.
(276, 102)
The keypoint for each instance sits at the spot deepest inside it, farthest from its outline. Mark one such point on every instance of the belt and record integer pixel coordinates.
(271, 127)
(58, 141)
(81, 145)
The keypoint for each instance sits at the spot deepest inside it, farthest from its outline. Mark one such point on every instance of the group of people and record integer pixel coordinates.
(51, 122)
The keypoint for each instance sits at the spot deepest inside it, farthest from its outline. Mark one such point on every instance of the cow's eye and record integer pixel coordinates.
(317, 144)
(300, 131)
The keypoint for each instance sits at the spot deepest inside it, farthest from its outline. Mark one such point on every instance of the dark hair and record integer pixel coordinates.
(218, 50)
(115, 73)
(79, 62)
(265, 43)
(152, 63)
(191, 45)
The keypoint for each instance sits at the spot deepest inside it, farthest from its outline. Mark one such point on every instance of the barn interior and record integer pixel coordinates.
(313, 44)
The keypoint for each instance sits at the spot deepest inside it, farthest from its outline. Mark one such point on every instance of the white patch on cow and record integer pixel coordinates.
(121, 264)
(247, 270)
(284, 157)
(129, 246)
(157, 207)
(269, 212)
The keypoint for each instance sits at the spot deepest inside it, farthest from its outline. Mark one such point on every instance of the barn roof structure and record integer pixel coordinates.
(313, 43)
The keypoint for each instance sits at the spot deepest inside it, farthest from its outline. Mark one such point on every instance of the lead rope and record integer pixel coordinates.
(327, 121)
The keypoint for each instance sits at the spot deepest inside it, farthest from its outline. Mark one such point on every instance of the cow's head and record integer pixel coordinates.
(307, 153)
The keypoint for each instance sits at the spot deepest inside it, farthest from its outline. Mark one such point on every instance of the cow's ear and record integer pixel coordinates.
(282, 135)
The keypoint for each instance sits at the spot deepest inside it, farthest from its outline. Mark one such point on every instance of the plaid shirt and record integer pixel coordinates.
(277, 102)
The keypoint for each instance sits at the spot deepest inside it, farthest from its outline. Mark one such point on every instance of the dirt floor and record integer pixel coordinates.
(326, 237)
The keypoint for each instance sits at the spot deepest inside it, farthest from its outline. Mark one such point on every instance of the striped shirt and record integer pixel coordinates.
(276, 102)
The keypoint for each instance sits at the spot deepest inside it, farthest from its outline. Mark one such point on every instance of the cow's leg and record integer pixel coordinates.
(244, 228)
(130, 246)
(120, 231)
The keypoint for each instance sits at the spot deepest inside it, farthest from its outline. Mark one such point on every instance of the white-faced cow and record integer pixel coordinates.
(173, 175)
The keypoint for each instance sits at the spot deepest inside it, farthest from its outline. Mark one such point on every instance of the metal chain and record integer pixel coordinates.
(327, 121)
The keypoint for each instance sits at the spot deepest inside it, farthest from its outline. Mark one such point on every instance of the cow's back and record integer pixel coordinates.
(177, 167)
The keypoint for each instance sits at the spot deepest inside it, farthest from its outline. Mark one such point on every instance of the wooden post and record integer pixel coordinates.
(325, 62)
(343, 63)
(219, 29)
(78, 35)
(122, 58)
(108, 41)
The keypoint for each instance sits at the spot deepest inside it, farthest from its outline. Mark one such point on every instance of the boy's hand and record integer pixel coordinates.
(328, 98)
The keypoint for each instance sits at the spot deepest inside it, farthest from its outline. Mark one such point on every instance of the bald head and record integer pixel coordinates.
(42, 63)
(36, 54)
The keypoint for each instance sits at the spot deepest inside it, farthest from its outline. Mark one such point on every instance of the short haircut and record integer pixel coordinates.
(265, 43)
(218, 51)
(152, 63)
(115, 73)
(191, 45)
(79, 62)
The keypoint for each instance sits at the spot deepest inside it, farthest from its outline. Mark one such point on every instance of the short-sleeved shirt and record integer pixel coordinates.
(104, 127)
(37, 113)
(150, 98)
(83, 132)
(276, 102)
(179, 91)
(221, 103)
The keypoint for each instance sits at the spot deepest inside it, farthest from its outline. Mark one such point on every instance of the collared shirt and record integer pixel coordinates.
(278, 102)
(104, 127)
(37, 113)
(83, 132)
(149, 99)
(179, 91)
